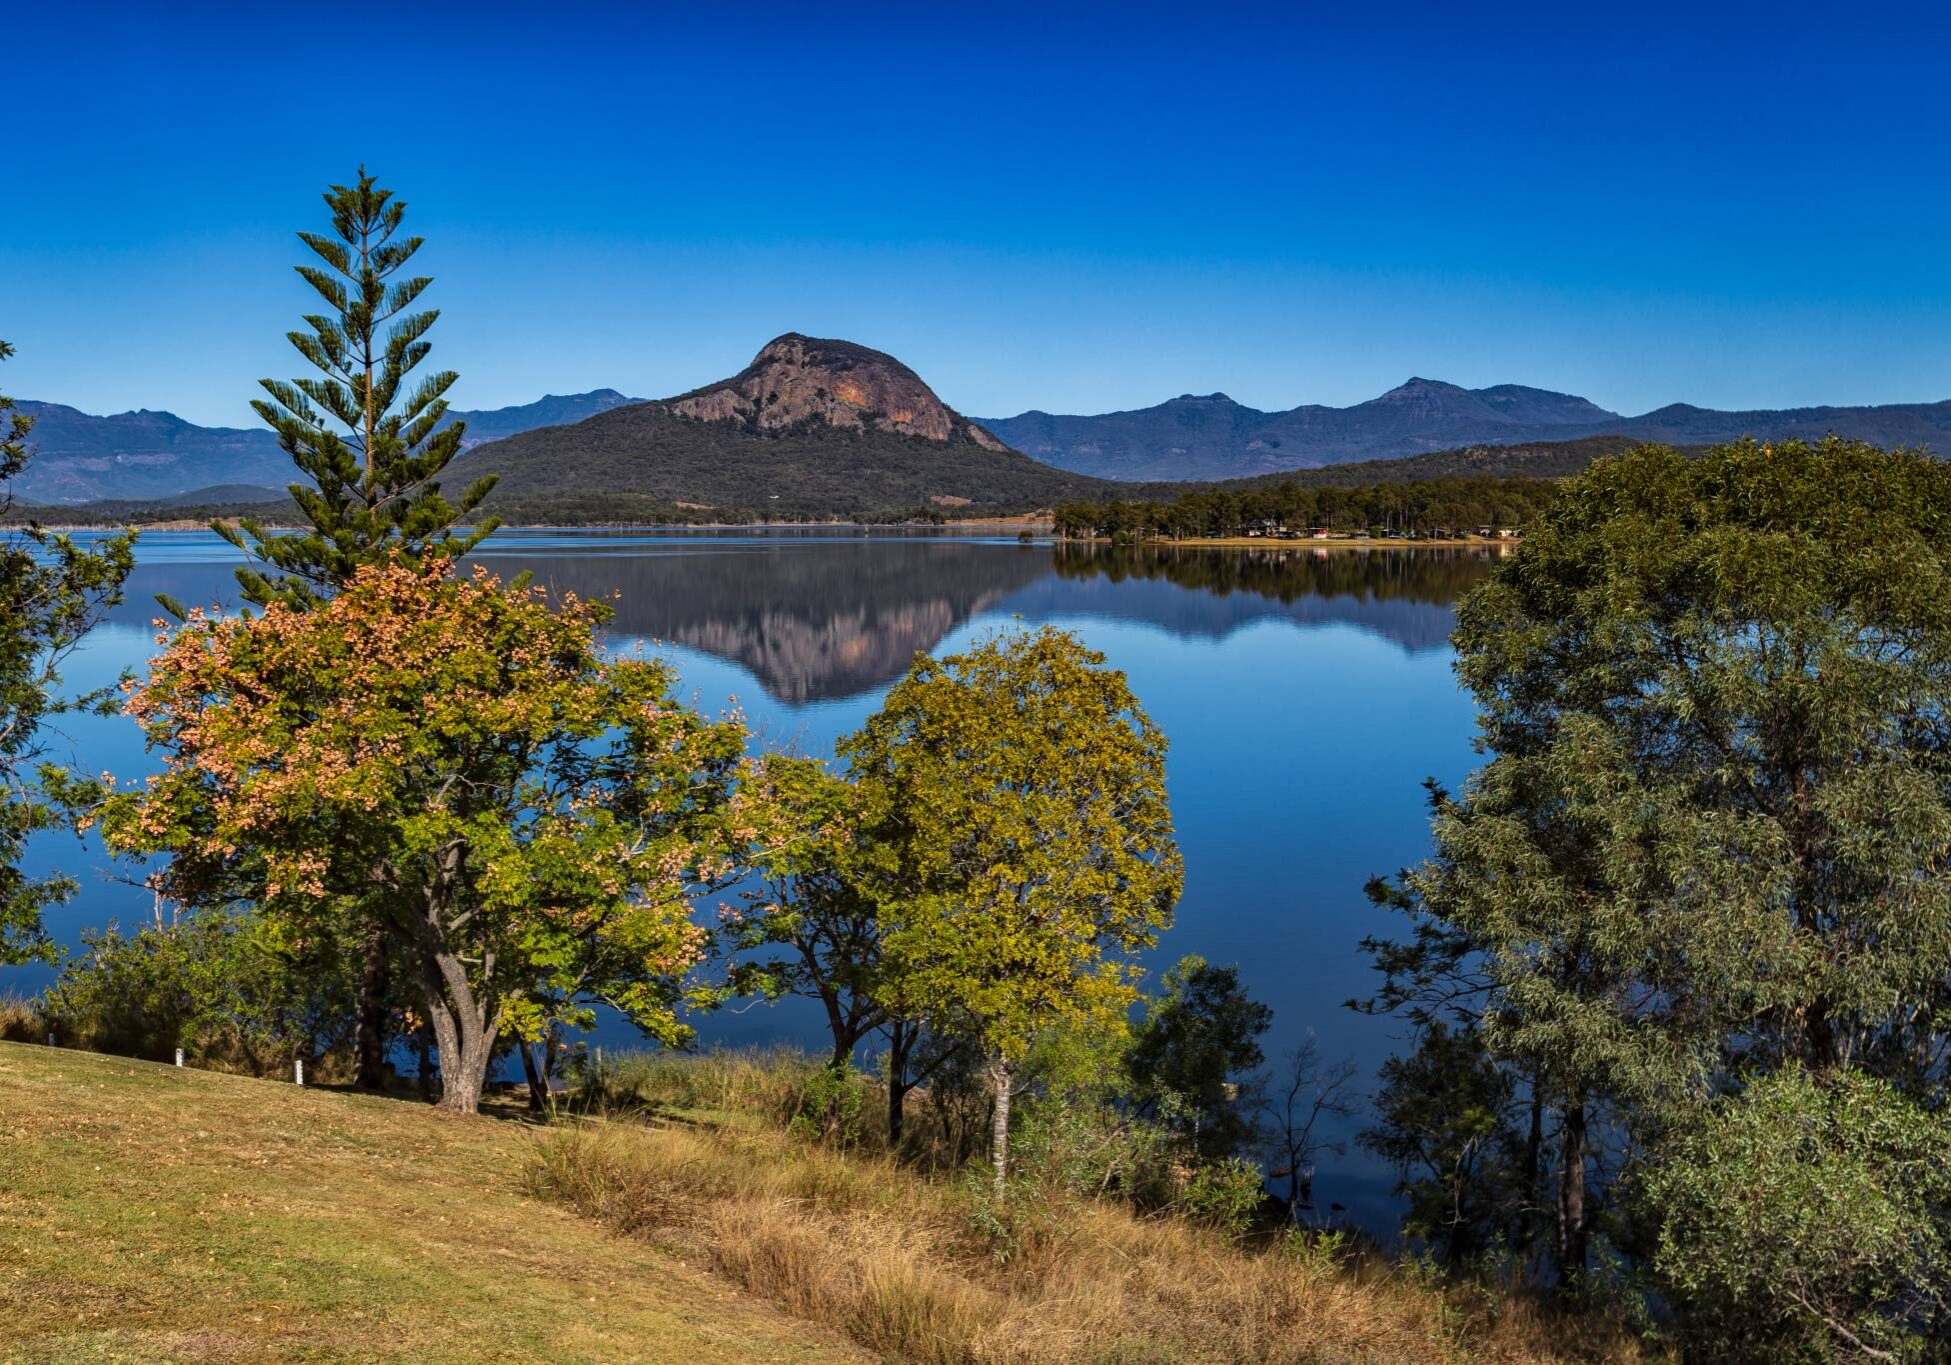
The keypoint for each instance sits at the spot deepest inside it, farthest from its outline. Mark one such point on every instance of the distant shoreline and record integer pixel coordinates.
(1027, 522)
(1308, 543)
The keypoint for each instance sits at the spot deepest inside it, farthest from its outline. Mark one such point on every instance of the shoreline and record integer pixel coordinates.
(1332, 543)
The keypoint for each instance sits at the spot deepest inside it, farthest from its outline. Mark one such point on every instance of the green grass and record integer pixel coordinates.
(148, 1213)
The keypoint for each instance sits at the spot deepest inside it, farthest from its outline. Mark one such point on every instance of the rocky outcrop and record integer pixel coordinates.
(796, 380)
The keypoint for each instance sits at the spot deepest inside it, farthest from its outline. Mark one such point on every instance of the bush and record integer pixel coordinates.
(1807, 1217)
(21, 1021)
(1223, 1194)
(222, 987)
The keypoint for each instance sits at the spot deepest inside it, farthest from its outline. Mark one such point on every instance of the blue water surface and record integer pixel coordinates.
(1306, 693)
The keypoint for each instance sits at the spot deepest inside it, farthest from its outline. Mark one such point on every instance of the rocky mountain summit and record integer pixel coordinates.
(811, 427)
(798, 379)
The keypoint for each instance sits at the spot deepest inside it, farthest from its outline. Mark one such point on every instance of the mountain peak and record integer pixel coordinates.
(796, 378)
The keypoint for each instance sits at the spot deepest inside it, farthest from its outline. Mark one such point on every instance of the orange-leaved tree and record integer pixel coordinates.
(528, 814)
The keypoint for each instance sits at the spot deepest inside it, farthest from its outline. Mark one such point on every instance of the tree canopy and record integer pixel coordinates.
(529, 816)
(52, 590)
(1021, 847)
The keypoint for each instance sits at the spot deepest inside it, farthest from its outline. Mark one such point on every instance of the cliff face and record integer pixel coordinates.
(797, 379)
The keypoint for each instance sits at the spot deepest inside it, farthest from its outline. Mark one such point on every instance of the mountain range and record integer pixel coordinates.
(160, 457)
(1199, 437)
(819, 427)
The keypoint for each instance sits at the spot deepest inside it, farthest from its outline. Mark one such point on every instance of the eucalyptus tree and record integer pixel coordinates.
(1708, 842)
(1018, 843)
(52, 590)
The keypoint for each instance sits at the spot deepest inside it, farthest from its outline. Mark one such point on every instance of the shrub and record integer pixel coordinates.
(222, 987)
(21, 1021)
(1807, 1217)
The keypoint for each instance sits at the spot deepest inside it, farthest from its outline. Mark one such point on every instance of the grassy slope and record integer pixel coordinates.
(148, 1213)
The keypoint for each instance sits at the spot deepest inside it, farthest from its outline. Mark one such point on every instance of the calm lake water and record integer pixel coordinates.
(1307, 693)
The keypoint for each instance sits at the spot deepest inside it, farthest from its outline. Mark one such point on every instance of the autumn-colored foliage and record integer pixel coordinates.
(529, 815)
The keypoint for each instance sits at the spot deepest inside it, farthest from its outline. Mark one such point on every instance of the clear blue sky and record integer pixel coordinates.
(1072, 209)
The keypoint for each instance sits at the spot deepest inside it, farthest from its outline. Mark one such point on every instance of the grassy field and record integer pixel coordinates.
(150, 1214)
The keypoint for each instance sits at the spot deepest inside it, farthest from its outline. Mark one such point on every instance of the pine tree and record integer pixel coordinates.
(372, 490)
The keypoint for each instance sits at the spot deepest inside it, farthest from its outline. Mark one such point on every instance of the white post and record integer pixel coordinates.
(298, 1070)
(50, 1040)
(179, 1056)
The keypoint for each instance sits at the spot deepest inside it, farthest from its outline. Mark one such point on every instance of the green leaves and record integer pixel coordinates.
(1807, 1216)
(52, 590)
(1020, 836)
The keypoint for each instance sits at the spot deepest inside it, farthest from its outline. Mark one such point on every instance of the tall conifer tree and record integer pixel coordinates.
(371, 489)
(370, 449)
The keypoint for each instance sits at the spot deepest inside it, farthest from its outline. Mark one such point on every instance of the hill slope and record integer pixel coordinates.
(810, 427)
(148, 1213)
(80, 457)
(1195, 438)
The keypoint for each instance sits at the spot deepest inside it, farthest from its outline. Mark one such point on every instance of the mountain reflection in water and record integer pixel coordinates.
(1306, 692)
(822, 620)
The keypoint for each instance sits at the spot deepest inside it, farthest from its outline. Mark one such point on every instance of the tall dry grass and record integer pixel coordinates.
(937, 1272)
(21, 1020)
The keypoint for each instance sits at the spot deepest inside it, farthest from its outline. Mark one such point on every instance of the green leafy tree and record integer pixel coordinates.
(1808, 1217)
(1019, 843)
(530, 817)
(1195, 1052)
(233, 991)
(52, 591)
(1710, 835)
(809, 931)
(1444, 1120)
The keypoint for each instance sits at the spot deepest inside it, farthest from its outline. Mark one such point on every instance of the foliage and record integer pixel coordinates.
(372, 490)
(808, 931)
(1444, 1121)
(1198, 1043)
(1808, 1217)
(1437, 506)
(1709, 838)
(228, 989)
(52, 591)
(1226, 1194)
(1018, 841)
(527, 815)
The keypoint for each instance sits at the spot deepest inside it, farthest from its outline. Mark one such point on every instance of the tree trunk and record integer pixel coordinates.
(426, 1061)
(1571, 1197)
(463, 1030)
(1002, 1075)
(1528, 1233)
(538, 1085)
(900, 1041)
(370, 1068)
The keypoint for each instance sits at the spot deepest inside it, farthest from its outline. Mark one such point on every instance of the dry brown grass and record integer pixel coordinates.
(149, 1213)
(21, 1020)
(926, 1271)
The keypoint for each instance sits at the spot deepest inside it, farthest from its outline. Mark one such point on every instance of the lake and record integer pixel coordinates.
(1307, 694)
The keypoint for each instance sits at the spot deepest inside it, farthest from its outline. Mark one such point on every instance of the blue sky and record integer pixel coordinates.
(1076, 209)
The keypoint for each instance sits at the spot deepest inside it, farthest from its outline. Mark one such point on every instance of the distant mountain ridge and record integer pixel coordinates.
(1193, 437)
(80, 457)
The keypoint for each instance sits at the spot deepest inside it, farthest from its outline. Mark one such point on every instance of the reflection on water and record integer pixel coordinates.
(1306, 694)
